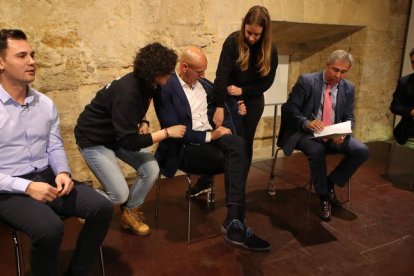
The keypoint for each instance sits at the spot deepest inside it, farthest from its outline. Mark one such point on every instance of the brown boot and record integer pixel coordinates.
(133, 219)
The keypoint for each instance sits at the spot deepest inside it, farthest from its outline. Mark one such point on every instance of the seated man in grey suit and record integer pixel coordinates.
(403, 104)
(317, 100)
(185, 99)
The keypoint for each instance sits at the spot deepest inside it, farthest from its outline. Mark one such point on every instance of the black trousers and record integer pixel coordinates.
(255, 107)
(42, 222)
(225, 155)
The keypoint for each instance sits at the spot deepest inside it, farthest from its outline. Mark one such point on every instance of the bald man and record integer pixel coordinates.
(187, 99)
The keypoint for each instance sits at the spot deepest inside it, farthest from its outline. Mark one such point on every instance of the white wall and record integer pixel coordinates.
(277, 93)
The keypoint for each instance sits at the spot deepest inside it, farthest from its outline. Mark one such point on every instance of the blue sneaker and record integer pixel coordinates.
(239, 235)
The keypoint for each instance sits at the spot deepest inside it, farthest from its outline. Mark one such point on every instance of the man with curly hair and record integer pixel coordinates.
(114, 126)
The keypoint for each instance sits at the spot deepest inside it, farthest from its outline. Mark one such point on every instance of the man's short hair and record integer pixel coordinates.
(340, 55)
(411, 52)
(6, 34)
(154, 60)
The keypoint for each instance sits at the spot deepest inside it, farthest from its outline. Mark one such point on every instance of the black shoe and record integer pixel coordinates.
(201, 187)
(239, 235)
(333, 200)
(325, 212)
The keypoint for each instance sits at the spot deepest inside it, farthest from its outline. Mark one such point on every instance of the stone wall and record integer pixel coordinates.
(82, 45)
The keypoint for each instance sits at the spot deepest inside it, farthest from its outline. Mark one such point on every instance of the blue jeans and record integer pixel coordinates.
(104, 164)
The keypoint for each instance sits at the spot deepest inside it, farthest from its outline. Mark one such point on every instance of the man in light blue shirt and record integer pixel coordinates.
(36, 188)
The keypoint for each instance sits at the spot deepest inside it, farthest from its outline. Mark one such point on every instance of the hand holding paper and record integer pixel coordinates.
(336, 129)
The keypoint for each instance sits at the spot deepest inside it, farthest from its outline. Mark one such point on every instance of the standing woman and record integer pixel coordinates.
(113, 126)
(246, 69)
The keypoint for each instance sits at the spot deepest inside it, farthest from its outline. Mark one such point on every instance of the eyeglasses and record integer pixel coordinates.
(337, 70)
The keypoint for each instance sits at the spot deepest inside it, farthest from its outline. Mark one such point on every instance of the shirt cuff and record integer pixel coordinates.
(20, 184)
(208, 136)
(304, 125)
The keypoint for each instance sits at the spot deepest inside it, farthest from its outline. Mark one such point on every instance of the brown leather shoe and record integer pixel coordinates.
(133, 219)
(325, 212)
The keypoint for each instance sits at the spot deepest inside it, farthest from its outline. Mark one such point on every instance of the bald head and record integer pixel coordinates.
(193, 55)
(192, 65)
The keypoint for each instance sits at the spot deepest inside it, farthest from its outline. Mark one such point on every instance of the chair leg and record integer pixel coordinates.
(348, 200)
(309, 184)
(412, 183)
(189, 210)
(17, 252)
(157, 198)
(271, 189)
(390, 157)
(211, 195)
(101, 259)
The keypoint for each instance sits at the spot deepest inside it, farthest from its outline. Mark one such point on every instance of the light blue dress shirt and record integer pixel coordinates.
(29, 139)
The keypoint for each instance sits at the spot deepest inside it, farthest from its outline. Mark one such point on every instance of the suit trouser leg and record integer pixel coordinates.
(235, 168)
(227, 155)
(355, 153)
(42, 223)
(43, 226)
(315, 150)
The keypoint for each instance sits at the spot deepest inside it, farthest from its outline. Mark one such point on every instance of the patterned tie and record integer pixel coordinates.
(327, 107)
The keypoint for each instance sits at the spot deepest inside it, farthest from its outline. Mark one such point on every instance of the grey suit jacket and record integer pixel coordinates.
(303, 103)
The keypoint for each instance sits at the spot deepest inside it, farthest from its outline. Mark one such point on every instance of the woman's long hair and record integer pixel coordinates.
(256, 15)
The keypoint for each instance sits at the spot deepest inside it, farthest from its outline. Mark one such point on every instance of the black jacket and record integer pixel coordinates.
(402, 104)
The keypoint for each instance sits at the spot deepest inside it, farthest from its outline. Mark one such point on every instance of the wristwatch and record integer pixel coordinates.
(68, 174)
(145, 121)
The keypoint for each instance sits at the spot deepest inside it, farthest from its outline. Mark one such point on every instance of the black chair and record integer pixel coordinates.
(210, 199)
(400, 169)
(271, 186)
(19, 255)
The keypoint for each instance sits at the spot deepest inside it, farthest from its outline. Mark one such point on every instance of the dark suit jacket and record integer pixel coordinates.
(173, 108)
(303, 103)
(402, 104)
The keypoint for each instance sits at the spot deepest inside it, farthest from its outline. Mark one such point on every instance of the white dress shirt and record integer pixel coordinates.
(197, 98)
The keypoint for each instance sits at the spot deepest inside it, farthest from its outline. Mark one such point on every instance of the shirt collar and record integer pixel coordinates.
(325, 83)
(184, 84)
(5, 96)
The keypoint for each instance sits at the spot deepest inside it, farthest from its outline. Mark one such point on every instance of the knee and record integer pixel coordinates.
(149, 171)
(362, 152)
(119, 196)
(316, 153)
(101, 210)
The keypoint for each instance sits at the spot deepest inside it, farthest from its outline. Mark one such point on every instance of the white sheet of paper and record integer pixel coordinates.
(341, 128)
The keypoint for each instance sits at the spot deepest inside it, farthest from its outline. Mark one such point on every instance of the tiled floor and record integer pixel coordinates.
(373, 235)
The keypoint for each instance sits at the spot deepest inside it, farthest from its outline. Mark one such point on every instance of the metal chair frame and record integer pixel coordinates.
(390, 158)
(19, 255)
(210, 198)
